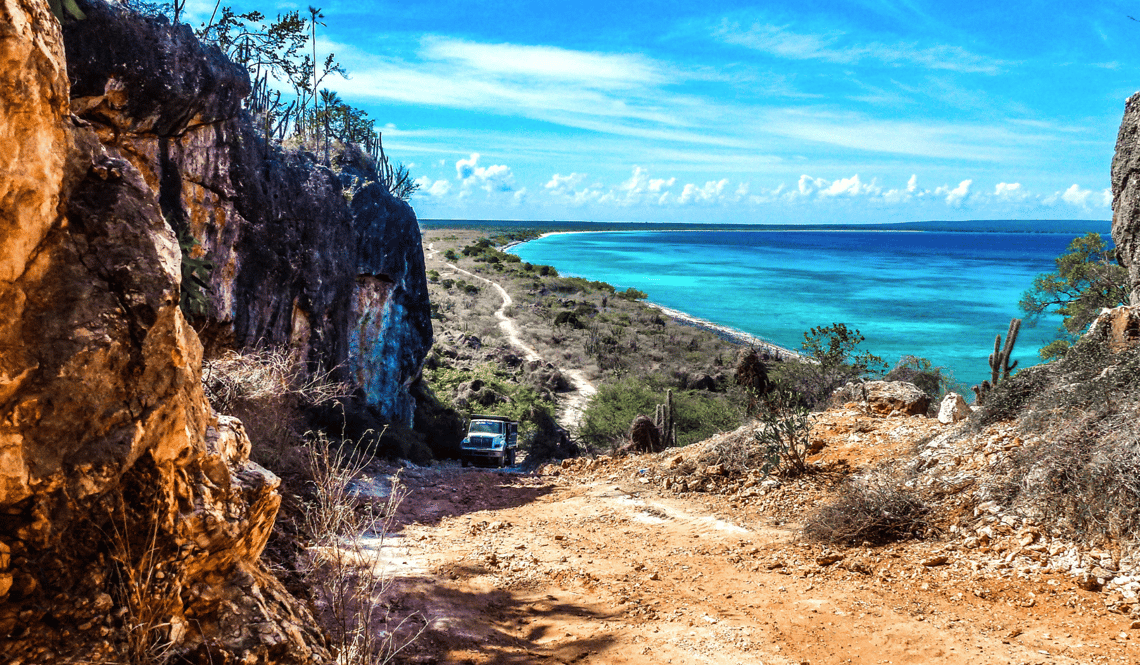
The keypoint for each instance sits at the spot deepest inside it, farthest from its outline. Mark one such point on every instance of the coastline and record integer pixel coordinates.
(724, 332)
(731, 334)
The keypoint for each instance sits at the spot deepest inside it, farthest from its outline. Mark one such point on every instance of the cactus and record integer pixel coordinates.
(1000, 367)
(663, 419)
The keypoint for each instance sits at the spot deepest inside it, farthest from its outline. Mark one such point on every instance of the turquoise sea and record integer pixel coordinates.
(938, 294)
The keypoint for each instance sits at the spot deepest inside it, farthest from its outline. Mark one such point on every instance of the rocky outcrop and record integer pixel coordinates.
(130, 515)
(884, 397)
(131, 518)
(1126, 194)
(295, 263)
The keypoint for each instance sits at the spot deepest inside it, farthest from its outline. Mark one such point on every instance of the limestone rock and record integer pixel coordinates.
(953, 409)
(884, 397)
(1118, 327)
(116, 481)
(1126, 194)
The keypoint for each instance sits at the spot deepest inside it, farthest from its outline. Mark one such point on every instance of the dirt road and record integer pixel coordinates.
(572, 404)
(511, 568)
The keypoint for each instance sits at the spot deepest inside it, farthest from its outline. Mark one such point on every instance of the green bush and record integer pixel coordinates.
(632, 294)
(697, 415)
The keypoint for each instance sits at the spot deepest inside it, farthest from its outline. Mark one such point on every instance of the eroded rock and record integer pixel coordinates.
(884, 397)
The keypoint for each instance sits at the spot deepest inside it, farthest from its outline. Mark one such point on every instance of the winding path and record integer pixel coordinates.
(574, 403)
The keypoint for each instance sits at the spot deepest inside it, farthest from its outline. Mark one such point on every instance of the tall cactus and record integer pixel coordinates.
(1000, 367)
(663, 419)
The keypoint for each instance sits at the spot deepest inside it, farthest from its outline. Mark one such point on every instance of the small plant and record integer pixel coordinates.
(783, 434)
(196, 272)
(871, 509)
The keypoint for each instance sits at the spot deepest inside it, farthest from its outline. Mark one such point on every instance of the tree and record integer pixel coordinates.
(831, 359)
(1087, 279)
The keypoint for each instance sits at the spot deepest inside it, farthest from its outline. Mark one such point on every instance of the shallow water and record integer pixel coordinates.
(937, 295)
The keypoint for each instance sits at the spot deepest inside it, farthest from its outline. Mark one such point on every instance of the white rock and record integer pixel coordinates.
(953, 409)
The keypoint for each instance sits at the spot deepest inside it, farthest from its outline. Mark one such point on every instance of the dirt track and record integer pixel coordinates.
(572, 404)
(523, 569)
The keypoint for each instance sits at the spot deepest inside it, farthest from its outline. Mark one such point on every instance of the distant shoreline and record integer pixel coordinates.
(724, 332)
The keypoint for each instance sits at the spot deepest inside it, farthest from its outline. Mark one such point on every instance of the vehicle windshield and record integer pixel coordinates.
(485, 427)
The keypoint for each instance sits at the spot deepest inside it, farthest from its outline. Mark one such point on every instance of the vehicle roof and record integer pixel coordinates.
(499, 418)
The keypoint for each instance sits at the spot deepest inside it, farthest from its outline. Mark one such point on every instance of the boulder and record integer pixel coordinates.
(953, 409)
(884, 397)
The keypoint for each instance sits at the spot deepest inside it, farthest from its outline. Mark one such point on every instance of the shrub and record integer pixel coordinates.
(346, 530)
(833, 358)
(1085, 480)
(871, 509)
(782, 436)
(269, 390)
(632, 294)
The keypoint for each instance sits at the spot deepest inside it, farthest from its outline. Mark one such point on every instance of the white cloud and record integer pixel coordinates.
(547, 62)
(494, 178)
(439, 188)
(1009, 191)
(712, 191)
(833, 45)
(561, 185)
(955, 197)
(1083, 198)
(912, 184)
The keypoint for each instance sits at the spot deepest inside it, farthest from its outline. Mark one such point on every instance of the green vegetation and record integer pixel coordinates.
(288, 103)
(833, 357)
(491, 390)
(697, 414)
(1087, 279)
(782, 438)
(934, 381)
(196, 272)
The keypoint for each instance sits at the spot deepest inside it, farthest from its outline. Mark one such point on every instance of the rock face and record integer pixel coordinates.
(295, 263)
(884, 397)
(1126, 194)
(130, 514)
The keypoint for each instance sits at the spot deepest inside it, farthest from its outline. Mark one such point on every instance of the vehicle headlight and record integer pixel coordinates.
(466, 442)
(498, 444)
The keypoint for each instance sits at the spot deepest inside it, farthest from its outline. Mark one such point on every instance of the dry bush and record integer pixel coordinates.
(344, 569)
(875, 509)
(268, 390)
(1085, 479)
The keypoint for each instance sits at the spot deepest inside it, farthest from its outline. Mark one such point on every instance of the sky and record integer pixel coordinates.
(766, 112)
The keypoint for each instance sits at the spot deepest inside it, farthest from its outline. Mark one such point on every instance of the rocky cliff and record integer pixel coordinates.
(130, 515)
(295, 262)
(1126, 193)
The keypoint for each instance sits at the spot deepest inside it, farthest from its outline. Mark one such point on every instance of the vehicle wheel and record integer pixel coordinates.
(464, 463)
(511, 458)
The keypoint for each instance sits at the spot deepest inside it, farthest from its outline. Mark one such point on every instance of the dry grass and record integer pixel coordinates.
(875, 509)
(1084, 480)
(268, 390)
(344, 567)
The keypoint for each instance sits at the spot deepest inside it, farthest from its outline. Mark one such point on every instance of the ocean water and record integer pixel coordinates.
(937, 295)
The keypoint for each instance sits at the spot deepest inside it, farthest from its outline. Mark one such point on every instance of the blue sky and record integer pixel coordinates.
(862, 111)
